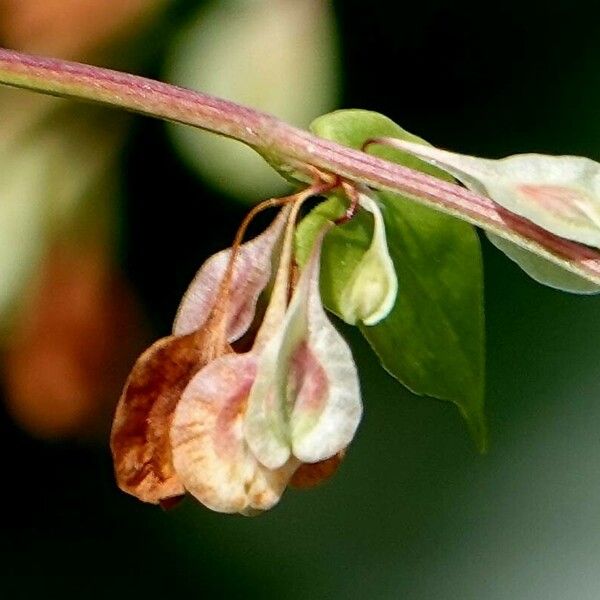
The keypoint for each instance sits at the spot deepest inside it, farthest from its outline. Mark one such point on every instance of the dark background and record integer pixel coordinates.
(414, 512)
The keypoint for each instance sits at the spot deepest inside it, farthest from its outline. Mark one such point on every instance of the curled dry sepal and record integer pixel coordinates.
(234, 428)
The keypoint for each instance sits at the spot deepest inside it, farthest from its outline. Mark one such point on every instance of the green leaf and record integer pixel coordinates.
(433, 339)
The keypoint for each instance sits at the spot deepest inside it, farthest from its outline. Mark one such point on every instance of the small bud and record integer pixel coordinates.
(371, 292)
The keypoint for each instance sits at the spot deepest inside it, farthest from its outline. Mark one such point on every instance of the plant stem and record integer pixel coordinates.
(293, 150)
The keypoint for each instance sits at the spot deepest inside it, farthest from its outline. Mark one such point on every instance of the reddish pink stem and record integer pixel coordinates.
(293, 150)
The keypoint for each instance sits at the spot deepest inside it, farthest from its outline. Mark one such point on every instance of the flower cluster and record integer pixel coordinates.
(234, 427)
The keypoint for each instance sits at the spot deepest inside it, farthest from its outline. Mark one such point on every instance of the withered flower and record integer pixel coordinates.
(140, 436)
(232, 428)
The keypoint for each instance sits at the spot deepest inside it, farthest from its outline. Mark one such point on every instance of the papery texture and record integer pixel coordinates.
(305, 401)
(209, 450)
(251, 274)
(140, 436)
(559, 193)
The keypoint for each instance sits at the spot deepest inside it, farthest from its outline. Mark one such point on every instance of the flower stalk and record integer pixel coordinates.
(293, 151)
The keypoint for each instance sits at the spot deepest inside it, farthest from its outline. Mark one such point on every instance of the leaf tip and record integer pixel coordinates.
(477, 426)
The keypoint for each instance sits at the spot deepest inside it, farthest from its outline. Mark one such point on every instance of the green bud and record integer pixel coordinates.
(371, 291)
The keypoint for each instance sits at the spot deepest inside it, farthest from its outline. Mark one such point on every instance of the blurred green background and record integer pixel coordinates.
(414, 512)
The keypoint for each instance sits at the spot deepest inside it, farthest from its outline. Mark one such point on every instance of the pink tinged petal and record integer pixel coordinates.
(210, 454)
(252, 272)
(565, 203)
(266, 426)
(328, 408)
(305, 401)
(559, 193)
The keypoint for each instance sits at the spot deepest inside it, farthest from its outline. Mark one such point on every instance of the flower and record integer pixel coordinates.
(233, 428)
(557, 193)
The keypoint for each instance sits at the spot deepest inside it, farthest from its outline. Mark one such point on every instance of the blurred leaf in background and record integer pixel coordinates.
(81, 30)
(59, 185)
(280, 56)
(72, 341)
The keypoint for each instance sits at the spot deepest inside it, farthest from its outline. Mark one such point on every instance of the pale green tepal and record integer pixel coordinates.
(370, 293)
(304, 403)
